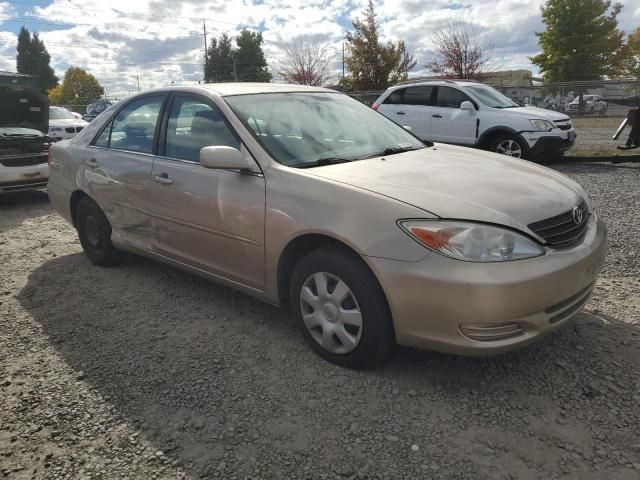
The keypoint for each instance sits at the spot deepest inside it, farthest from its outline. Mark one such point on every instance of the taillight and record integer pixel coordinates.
(375, 106)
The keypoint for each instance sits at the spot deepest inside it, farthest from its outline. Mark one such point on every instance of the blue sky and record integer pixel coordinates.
(161, 41)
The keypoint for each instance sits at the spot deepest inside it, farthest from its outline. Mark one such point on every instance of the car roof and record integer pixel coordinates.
(440, 82)
(244, 88)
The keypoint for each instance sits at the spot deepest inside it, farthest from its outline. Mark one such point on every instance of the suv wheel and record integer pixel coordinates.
(509, 145)
(94, 231)
(341, 309)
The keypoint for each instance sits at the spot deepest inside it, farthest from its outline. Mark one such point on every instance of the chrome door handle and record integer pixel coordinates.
(437, 115)
(163, 178)
(91, 163)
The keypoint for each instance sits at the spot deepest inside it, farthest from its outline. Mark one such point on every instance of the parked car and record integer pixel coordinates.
(592, 104)
(24, 145)
(95, 109)
(473, 114)
(302, 196)
(63, 124)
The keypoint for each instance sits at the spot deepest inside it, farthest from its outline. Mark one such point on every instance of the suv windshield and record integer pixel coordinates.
(60, 114)
(491, 97)
(304, 128)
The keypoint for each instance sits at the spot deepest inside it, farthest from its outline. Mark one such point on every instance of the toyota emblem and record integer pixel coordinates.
(577, 215)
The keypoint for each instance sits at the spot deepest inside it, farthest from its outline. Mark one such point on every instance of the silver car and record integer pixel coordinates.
(304, 197)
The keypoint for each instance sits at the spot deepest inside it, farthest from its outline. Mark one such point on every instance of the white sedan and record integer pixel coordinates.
(63, 124)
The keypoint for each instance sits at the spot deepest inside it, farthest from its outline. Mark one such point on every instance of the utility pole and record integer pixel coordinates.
(343, 65)
(235, 74)
(138, 80)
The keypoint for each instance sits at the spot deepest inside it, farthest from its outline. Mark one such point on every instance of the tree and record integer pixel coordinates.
(373, 65)
(631, 62)
(34, 59)
(249, 62)
(459, 51)
(305, 61)
(219, 60)
(581, 40)
(78, 88)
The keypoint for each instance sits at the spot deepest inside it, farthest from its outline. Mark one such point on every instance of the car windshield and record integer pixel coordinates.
(298, 129)
(60, 114)
(491, 97)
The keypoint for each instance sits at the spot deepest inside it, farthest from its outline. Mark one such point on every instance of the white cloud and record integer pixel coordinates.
(157, 42)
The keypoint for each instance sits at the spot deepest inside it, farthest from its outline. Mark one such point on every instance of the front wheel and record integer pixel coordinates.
(341, 309)
(509, 145)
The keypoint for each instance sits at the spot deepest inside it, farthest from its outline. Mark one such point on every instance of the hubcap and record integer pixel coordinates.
(93, 231)
(331, 313)
(509, 147)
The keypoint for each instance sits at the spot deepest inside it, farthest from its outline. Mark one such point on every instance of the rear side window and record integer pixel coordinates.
(395, 97)
(450, 97)
(134, 126)
(417, 96)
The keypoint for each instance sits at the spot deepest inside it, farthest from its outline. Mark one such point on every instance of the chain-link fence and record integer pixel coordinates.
(596, 108)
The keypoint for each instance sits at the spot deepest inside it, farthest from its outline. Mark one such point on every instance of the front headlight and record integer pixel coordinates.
(472, 242)
(542, 124)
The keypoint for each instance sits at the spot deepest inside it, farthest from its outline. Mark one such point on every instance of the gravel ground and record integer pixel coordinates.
(594, 134)
(142, 371)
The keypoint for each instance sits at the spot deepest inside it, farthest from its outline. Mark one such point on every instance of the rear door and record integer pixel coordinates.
(410, 106)
(117, 168)
(449, 124)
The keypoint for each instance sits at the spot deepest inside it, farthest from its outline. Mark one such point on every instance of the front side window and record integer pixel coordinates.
(303, 128)
(134, 126)
(450, 97)
(193, 125)
(491, 97)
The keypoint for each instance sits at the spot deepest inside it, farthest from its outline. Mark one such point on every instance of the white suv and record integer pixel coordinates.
(473, 114)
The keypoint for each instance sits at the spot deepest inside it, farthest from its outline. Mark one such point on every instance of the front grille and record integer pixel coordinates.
(568, 307)
(23, 160)
(564, 126)
(78, 129)
(562, 229)
(23, 185)
(70, 130)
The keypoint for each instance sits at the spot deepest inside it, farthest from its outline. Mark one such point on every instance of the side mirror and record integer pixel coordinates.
(407, 128)
(223, 157)
(467, 105)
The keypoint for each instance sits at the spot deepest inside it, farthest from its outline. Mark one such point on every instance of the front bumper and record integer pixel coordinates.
(23, 178)
(484, 309)
(549, 144)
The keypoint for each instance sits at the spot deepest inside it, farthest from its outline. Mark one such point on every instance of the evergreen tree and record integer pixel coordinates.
(34, 59)
(581, 41)
(373, 65)
(219, 60)
(250, 63)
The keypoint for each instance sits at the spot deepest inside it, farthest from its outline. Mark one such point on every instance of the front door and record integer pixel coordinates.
(117, 169)
(207, 218)
(450, 124)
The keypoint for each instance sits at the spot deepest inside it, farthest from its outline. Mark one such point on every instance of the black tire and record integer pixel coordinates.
(377, 340)
(94, 231)
(496, 144)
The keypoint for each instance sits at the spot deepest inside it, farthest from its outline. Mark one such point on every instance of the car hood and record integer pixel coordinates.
(462, 183)
(23, 106)
(535, 112)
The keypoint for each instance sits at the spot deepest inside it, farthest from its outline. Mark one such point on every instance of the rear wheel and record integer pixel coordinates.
(341, 309)
(509, 145)
(94, 231)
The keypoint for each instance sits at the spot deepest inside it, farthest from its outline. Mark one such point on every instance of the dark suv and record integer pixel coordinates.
(24, 145)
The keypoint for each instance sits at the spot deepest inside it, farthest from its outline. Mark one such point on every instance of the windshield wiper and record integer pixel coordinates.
(392, 151)
(322, 162)
(18, 135)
